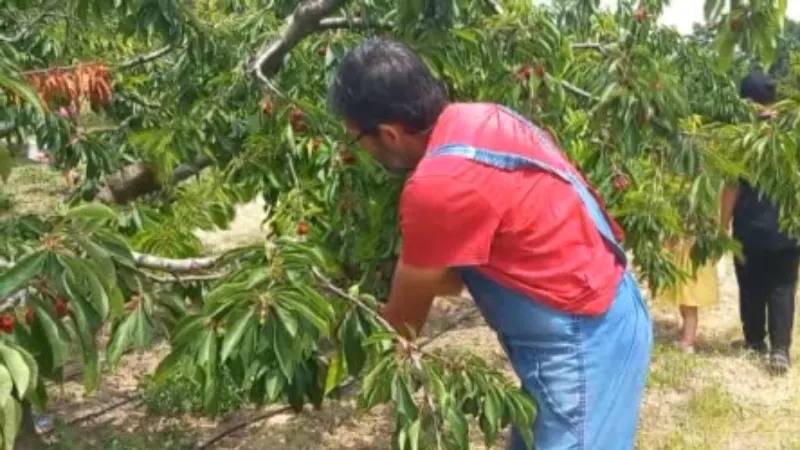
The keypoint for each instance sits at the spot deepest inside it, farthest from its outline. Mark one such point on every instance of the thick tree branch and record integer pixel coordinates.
(138, 179)
(304, 20)
(171, 265)
(335, 23)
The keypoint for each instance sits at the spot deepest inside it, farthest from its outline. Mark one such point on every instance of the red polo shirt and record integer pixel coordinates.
(527, 229)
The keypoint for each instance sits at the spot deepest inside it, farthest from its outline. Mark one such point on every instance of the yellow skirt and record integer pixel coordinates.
(702, 291)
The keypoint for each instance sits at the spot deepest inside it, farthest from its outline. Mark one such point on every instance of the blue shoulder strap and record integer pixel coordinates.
(511, 162)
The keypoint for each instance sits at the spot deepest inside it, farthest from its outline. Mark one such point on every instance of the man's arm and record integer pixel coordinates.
(413, 291)
(446, 223)
(727, 203)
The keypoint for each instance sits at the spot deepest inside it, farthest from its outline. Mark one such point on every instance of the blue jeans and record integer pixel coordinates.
(586, 374)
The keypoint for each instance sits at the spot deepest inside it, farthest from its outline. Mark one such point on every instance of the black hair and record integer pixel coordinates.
(759, 87)
(384, 81)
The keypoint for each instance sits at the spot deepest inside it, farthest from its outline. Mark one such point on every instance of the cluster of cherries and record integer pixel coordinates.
(8, 322)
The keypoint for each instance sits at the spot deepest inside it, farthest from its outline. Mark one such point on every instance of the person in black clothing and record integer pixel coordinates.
(767, 275)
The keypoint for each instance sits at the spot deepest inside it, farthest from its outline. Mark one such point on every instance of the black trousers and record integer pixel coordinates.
(767, 283)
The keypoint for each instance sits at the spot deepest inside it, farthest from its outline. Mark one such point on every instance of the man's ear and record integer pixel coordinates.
(390, 132)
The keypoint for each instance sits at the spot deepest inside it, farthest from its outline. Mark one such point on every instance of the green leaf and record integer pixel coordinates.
(106, 272)
(351, 337)
(6, 163)
(81, 311)
(413, 434)
(233, 335)
(11, 421)
(122, 339)
(81, 279)
(32, 365)
(282, 345)
(208, 348)
(401, 395)
(18, 368)
(22, 273)
(274, 384)
(23, 90)
(335, 373)
(51, 337)
(92, 211)
(209, 357)
(143, 329)
(288, 321)
(6, 385)
(459, 427)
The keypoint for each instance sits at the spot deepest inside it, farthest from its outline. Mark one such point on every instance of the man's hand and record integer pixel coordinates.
(727, 203)
(413, 291)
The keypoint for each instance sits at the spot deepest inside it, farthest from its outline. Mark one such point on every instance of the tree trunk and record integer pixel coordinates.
(128, 184)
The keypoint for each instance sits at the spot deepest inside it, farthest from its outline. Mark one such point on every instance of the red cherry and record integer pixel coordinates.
(642, 14)
(303, 228)
(7, 323)
(297, 114)
(29, 316)
(297, 119)
(61, 306)
(524, 73)
(348, 158)
(620, 182)
(267, 107)
(539, 70)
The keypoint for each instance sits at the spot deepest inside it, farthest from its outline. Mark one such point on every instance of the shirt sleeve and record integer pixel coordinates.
(445, 223)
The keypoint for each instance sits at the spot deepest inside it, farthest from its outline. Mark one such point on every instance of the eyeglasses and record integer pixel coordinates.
(354, 142)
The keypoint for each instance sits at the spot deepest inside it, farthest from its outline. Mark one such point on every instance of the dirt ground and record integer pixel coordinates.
(716, 399)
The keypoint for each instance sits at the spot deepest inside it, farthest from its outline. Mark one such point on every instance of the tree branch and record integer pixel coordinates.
(335, 23)
(304, 20)
(146, 58)
(152, 262)
(136, 180)
(591, 46)
(123, 65)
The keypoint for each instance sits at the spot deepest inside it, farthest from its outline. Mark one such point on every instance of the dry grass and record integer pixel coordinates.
(714, 400)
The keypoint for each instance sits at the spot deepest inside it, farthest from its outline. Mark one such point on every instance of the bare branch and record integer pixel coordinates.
(304, 20)
(575, 89)
(175, 265)
(146, 58)
(175, 278)
(335, 23)
(591, 46)
(494, 5)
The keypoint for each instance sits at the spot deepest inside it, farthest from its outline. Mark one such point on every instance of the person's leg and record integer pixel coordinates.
(781, 307)
(689, 322)
(585, 374)
(589, 387)
(617, 359)
(752, 300)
